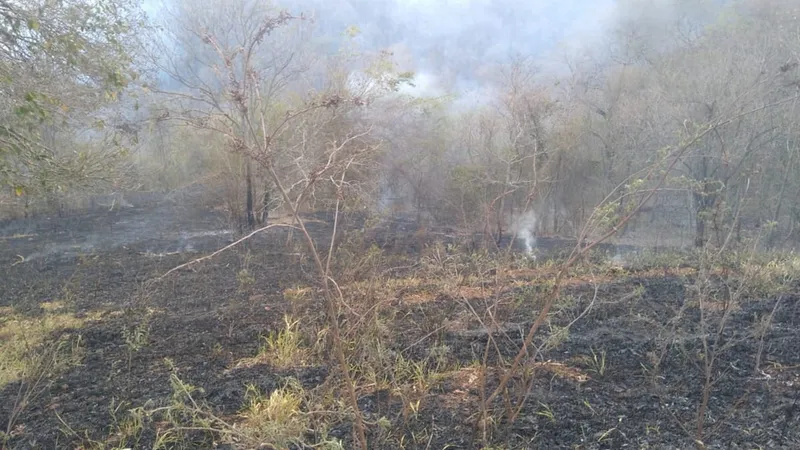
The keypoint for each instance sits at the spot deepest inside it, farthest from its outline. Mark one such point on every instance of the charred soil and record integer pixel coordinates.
(619, 364)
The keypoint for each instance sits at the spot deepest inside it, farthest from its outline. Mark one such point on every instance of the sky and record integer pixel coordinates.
(450, 44)
(453, 46)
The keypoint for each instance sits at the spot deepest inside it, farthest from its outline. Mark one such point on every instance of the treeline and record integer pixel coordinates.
(697, 114)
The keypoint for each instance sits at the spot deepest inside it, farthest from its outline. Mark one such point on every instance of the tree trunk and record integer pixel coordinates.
(502, 207)
(251, 218)
(262, 220)
(784, 182)
(699, 232)
(703, 201)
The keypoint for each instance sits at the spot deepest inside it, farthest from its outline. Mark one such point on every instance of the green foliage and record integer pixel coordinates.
(137, 336)
(384, 71)
(59, 60)
(352, 31)
(277, 419)
(285, 348)
(598, 362)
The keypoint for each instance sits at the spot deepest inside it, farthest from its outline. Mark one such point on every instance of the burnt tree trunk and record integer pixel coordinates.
(704, 201)
(262, 219)
(249, 213)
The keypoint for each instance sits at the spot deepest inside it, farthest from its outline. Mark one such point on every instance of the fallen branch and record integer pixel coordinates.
(227, 247)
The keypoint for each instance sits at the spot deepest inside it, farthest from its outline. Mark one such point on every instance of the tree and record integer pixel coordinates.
(235, 72)
(198, 43)
(732, 69)
(62, 64)
(673, 67)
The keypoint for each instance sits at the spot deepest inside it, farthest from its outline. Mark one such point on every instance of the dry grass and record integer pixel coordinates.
(283, 349)
(33, 349)
(561, 370)
(277, 418)
(288, 219)
(24, 340)
(401, 335)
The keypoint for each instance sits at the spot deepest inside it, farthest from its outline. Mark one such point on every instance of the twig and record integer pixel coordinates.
(766, 326)
(227, 247)
(420, 340)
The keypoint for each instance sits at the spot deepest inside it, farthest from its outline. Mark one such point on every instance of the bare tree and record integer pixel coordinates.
(215, 57)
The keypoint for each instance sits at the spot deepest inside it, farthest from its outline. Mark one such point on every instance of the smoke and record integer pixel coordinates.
(524, 228)
(455, 42)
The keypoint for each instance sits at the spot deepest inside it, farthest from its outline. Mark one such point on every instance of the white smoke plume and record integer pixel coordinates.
(524, 228)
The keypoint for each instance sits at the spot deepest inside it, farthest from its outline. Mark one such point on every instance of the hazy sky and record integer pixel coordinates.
(450, 42)
(456, 39)
(452, 45)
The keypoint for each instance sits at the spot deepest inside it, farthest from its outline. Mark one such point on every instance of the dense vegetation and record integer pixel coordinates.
(218, 94)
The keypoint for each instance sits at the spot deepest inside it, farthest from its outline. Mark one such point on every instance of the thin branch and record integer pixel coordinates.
(227, 247)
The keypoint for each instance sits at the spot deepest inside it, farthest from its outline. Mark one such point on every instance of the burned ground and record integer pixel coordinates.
(627, 372)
